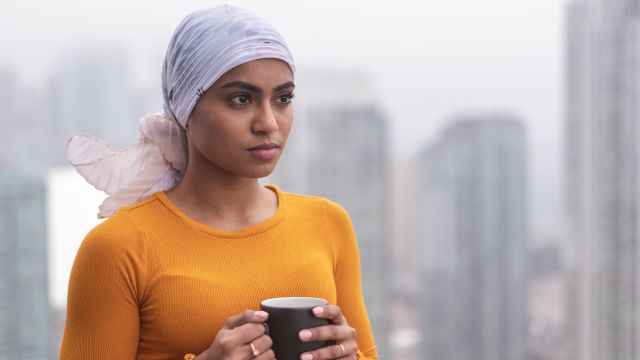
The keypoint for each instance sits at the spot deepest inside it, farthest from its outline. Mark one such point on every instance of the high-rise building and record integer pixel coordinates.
(24, 144)
(91, 92)
(339, 149)
(24, 301)
(8, 101)
(603, 98)
(472, 232)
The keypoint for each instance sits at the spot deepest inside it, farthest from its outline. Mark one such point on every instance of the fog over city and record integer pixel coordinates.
(439, 126)
(428, 61)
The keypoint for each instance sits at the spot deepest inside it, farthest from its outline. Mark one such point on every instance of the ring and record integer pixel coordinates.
(343, 350)
(255, 351)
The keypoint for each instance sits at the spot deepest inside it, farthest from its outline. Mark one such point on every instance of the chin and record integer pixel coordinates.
(259, 172)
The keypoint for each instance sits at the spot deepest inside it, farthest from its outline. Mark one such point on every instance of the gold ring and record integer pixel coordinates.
(255, 351)
(343, 350)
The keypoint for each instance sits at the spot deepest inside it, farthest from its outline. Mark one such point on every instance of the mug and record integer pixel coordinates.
(287, 317)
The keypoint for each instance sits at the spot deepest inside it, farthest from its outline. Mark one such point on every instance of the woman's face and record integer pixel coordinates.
(240, 125)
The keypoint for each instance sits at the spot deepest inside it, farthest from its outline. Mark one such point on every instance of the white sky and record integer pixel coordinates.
(71, 214)
(429, 60)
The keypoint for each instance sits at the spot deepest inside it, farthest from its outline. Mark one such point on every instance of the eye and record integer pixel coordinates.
(241, 99)
(285, 98)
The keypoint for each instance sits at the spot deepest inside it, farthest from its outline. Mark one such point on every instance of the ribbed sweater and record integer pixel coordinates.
(152, 283)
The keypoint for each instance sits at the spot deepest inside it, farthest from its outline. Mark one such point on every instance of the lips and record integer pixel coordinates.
(264, 147)
(266, 151)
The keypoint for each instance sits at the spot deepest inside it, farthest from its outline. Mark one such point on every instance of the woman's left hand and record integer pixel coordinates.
(339, 331)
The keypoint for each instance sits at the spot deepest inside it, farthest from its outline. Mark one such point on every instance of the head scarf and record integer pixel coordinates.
(205, 45)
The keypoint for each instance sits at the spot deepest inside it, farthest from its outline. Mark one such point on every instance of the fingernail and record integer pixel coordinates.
(306, 357)
(318, 310)
(260, 314)
(305, 335)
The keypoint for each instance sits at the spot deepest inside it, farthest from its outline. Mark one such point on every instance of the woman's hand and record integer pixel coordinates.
(339, 331)
(242, 337)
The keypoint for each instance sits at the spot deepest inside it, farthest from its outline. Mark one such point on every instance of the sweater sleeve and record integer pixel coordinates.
(348, 279)
(105, 289)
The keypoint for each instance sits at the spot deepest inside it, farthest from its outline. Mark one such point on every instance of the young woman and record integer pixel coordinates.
(193, 242)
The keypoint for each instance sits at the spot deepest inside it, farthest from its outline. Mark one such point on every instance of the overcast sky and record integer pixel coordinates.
(429, 60)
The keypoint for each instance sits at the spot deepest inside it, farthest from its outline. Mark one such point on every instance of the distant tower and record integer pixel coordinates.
(92, 93)
(603, 113)
(8, 102)
(472, 228)
(24, 301)
(24, 145)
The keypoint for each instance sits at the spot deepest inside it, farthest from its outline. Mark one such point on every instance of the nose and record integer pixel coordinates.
(265, 119)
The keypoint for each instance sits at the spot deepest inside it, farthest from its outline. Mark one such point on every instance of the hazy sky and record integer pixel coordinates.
(428, 60)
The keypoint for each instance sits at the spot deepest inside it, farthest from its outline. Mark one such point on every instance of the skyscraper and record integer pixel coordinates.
(472, 235)
(24, 143)
(339, 149)
(91, 92)
(603, 95)
(24, 302)
(8, 102)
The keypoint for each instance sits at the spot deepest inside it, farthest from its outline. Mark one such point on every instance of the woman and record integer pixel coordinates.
(193, 240)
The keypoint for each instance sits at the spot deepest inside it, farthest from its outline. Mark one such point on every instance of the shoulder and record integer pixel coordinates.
(332, 212)
(133, 220)
(113, 252)
(339, 232)
(119, 235)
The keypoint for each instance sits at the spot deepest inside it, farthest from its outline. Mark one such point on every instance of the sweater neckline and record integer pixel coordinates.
(256, 229)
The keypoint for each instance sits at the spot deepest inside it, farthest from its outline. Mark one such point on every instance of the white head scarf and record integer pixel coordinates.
(206, 44)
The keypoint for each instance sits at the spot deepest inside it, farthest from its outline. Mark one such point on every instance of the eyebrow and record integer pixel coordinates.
(253, 88)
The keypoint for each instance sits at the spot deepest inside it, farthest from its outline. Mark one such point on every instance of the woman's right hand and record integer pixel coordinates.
(240, 336)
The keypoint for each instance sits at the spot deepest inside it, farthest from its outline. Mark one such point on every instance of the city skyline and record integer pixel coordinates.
(431, 60)
(311, 117)
(316, 118)
(415, 94)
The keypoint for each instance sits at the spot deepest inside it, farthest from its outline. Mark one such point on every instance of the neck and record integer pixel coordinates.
(221, 199)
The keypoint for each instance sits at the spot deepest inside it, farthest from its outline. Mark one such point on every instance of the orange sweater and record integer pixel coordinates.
(151, 283)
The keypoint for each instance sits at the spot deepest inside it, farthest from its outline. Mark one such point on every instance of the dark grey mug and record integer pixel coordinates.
(287, 317)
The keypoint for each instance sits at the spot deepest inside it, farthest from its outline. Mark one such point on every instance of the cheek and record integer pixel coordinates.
(285, 126)
(214, 140)
(222, 139)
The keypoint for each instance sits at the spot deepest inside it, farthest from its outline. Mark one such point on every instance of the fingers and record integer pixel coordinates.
(247, 316)
(348, 350)
(243, 337)
(328, 332)
(263, 347)
(331, 312)
(239, 337)
(246, 333)
(241, 329)
(268, 355)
